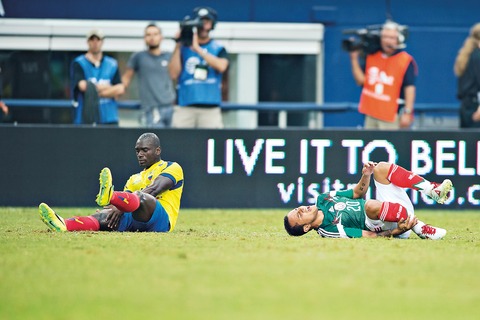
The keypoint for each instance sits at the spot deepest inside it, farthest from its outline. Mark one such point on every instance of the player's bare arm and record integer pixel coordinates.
(362, 186)
(158, 186)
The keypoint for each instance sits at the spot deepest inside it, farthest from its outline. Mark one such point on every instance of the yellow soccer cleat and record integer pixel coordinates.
(53, 221)
(106, 188)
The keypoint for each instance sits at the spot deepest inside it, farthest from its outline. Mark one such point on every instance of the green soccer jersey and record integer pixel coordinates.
(344, 217)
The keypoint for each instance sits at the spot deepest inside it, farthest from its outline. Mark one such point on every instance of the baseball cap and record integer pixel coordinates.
(95, 33)
(205, 12)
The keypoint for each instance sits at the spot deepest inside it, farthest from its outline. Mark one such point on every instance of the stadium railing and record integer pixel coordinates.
(424, 112)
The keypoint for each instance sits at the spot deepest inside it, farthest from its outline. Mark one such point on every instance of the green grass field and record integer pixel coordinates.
(236, 264)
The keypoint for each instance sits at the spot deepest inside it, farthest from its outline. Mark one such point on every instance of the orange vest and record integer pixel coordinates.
(383, 82)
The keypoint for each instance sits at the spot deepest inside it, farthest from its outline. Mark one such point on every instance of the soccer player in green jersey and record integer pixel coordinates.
(345, 214)
(150, 200)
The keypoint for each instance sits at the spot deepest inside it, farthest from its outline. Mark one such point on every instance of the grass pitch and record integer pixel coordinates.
(235, 264)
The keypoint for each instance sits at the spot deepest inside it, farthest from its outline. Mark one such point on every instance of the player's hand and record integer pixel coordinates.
(407, 224)
(368, 168)
(113, 217)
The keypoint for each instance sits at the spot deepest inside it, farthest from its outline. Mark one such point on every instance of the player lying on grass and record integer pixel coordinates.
(344, 214)
(150, 200)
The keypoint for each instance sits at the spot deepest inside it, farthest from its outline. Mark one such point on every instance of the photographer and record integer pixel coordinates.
(388, 79)
(198, 63)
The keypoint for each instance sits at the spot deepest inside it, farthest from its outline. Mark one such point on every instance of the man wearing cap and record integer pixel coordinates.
(198, 70)
(95, 84)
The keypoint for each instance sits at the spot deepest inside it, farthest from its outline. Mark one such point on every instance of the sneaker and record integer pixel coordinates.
(106, 188)
(433, 233)
(51, 219)
(440, 191)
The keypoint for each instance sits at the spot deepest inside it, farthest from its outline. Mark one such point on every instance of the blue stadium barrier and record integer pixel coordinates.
(260, 106)
(335, 114)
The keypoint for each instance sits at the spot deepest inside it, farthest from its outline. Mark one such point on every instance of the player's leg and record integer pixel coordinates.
(385, 211)
(56, 223)
(124, 201)
(146, 208)
(404, 178)
(390, 193)
(149, 217)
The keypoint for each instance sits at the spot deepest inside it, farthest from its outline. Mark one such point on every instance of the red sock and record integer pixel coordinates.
(125, 201)
(392, 212)
(82, 223)
(406, 179)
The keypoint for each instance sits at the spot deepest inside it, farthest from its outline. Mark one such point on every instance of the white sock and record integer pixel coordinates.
(418, 227)
(425, 187)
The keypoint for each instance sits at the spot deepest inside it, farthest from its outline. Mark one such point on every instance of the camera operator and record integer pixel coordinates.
(388, 78)
(198, 68)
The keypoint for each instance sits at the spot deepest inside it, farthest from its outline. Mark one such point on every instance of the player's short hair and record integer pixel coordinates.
(295, 231)
(152, 138)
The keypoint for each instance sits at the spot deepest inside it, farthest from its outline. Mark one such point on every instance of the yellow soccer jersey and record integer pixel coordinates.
(170, 199)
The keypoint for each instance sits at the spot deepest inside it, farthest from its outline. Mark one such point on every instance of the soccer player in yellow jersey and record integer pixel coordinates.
(150, 200)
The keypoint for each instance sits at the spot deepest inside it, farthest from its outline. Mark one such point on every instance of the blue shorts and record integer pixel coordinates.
(159, 222)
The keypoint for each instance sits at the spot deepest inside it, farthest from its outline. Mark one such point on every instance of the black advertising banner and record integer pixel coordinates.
(232, 168)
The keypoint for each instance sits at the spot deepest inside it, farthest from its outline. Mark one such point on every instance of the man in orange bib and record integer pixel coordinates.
(388, 80)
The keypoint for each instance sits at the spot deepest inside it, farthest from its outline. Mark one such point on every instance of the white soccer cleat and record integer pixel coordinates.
(426, 231)
(439, 192)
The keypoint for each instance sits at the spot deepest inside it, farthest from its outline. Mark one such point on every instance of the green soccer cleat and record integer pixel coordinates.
(51, 219)
(106, 188)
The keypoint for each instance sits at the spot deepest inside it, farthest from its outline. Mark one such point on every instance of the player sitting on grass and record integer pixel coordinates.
(150, 200)
(344, 214)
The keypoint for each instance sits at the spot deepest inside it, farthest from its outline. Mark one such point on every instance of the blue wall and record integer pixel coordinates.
(437, 29)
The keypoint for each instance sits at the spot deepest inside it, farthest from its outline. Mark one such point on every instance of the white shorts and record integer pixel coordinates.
(390, 193)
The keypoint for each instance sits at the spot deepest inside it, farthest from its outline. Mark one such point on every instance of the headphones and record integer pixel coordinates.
(402, 31)
(206, 12)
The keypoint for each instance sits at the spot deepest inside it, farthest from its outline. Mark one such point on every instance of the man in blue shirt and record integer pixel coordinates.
(95, 84)
(198, 70)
